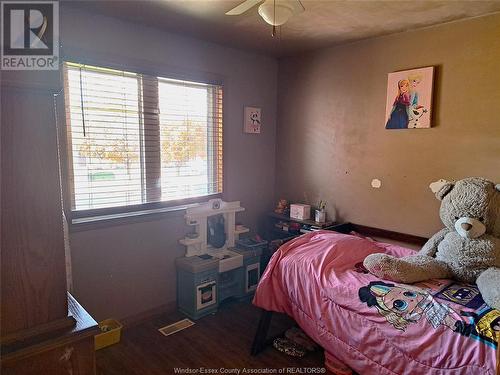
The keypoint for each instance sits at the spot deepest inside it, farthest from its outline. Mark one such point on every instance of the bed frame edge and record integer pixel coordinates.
(378, 232)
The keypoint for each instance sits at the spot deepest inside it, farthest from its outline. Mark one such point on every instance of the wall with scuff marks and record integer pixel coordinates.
(331, 141)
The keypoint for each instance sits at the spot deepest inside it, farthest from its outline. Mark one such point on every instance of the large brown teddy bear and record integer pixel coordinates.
(467, 249)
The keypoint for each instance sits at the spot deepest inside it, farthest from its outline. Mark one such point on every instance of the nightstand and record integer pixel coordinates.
(282, 228)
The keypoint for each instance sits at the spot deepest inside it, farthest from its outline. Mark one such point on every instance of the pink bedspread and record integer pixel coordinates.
(376, 326)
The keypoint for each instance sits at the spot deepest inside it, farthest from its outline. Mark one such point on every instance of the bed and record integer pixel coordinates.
(374, 326)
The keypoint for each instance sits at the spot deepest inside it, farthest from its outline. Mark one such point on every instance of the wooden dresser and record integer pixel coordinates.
(43, 329)
(67, 351)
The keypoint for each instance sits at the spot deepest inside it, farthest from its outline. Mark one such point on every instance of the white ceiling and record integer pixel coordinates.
(323, 23)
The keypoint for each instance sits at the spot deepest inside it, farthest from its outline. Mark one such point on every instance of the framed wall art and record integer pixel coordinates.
(409, 99)
(252, 120)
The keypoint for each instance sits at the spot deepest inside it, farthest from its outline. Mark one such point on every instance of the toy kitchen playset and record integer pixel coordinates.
(217, 264)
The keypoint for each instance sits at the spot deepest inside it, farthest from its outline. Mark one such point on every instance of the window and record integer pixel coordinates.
(136, 139)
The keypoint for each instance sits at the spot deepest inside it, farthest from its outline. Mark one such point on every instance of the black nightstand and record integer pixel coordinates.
(282, 228)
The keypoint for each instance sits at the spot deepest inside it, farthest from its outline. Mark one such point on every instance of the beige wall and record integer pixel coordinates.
(331, 140)
(123, 270)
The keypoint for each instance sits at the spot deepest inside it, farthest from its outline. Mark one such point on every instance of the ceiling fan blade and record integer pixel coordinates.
(243, 7)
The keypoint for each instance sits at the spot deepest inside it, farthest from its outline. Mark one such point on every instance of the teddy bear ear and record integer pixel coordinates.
(445, 189)
(441, 187)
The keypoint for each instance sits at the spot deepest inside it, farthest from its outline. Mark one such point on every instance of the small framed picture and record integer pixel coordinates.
(409, 99)
(252, 120)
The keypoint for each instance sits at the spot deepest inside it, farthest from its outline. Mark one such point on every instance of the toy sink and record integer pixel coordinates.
(228, 260)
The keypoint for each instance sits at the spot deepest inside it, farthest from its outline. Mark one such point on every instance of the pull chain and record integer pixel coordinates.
(274, 19)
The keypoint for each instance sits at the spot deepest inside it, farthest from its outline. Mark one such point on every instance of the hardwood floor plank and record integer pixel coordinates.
(222, 340)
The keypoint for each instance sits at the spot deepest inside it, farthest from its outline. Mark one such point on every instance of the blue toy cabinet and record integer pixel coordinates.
(230, 284)
(197, 291)
(251, 251)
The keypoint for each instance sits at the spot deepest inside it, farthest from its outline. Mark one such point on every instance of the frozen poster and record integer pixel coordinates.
(409, 99)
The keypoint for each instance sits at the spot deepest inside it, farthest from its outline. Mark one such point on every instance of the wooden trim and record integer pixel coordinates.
(36, 331)
(83, 326)
(141, 317)
(378, 232)
(396, 236)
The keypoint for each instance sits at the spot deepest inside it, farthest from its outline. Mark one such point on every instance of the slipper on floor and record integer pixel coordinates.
(288, 347)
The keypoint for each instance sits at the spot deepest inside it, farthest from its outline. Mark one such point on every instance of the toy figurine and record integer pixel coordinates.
(282, 207)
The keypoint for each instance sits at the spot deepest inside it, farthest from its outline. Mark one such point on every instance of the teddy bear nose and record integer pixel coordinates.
(466, 226)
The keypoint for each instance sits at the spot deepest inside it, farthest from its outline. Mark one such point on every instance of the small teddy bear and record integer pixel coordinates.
(281, 207)
(467, 249)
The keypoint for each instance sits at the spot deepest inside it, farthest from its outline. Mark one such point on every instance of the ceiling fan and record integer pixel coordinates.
(274, 12)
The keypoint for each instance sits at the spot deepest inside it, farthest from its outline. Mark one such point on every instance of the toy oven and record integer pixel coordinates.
(206, 295)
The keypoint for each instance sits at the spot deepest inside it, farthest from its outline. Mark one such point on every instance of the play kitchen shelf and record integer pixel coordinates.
(196, 217)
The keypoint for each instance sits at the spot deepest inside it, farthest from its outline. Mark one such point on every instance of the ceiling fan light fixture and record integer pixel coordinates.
(275, 14)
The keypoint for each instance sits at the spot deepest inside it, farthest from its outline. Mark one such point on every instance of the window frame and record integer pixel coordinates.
(89, 218)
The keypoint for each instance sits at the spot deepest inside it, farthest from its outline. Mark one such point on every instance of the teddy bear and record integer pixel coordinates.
(467, 249)
(281, 207)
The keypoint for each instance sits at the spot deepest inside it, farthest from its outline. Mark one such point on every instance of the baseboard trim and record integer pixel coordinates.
(143, 316)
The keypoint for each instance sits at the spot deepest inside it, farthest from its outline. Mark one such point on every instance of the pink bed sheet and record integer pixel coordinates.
(376, 326)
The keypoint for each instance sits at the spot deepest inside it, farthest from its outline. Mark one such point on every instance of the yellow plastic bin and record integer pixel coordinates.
(111, 330)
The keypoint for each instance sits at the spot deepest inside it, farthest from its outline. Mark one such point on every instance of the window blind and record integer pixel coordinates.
(135, 139)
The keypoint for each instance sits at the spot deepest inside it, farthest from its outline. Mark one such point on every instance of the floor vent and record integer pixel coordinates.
(176, 327)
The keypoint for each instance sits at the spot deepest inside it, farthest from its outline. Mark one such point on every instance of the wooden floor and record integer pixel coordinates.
(217, 341)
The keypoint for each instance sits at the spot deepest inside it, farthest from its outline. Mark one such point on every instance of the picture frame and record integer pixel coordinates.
(252, 120)
(409, 99)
